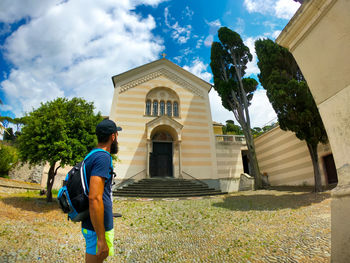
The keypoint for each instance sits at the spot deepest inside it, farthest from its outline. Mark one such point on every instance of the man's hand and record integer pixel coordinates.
(102, 250)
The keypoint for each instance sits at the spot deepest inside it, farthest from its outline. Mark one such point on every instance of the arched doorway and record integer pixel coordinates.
(161, 157)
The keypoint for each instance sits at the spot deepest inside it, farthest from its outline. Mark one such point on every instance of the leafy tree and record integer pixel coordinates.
(256, 131)
(19, 122)
(58, 132)
(8, 158)
(291, 98)
(232, 128)
(9, 135)
(269, 127)
(229, 58)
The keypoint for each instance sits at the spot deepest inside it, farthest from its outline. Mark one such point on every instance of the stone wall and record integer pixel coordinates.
(27, 173)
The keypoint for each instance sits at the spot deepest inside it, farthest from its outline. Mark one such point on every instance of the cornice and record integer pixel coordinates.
(166, 73)
(164, 119)
(304, 20)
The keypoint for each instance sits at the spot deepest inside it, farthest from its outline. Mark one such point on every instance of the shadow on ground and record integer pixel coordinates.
(270, 202)
(34, 204)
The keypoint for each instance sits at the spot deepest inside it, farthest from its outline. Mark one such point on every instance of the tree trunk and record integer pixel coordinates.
(253, 160)
(314, 158)
(50, 181)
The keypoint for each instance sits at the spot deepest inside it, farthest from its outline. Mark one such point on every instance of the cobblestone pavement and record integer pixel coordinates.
(254, 226)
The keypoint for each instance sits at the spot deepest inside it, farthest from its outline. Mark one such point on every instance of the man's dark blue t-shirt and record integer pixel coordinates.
(99, 164)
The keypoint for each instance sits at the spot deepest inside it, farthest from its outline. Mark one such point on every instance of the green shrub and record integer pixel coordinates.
(8, 158)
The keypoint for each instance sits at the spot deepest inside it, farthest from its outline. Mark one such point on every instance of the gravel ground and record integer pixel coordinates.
(254, 226)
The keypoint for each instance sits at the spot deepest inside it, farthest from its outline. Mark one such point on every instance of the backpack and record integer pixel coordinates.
(73, 196)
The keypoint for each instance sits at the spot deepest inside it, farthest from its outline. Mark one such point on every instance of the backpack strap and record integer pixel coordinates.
(83, 171)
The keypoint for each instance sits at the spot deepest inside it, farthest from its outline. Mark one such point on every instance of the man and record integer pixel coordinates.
(98, 229)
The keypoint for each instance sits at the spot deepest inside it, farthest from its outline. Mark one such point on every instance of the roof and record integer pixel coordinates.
(217, 124)
(163, 62)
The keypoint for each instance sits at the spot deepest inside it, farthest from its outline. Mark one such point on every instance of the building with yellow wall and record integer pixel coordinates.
(167, 126)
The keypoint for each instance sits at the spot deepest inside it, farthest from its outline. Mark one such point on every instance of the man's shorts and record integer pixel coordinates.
(91, 241)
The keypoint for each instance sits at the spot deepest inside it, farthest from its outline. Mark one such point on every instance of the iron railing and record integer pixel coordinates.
(193, 178)
(130, 179)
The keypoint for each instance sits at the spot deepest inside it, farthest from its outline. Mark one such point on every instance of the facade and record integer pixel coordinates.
(318, 36)
(167, 126)
(168, 130)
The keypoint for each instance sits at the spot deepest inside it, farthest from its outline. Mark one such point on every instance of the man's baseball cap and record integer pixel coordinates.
(107, 127)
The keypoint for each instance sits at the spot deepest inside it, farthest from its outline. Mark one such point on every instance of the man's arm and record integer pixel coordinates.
(96, 209)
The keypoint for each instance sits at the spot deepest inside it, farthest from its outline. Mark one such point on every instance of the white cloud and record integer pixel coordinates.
(260, 110)
(188, 12)
(67, 50)
(199, 69)
(259, 6)
(213, 28)
(252, 67)
(214, 24)
(239, 26)
(199, 43)
(275, 33)
(179, 33)
(14, 10)
(208, 41)
(218, 112)
(284, 9)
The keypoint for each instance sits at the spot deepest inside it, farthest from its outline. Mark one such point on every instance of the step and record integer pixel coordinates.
(169, 191)
(165, 183)
(167, 195)
(166, 187)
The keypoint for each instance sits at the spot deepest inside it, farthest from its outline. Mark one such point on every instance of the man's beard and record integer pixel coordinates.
(114, 147)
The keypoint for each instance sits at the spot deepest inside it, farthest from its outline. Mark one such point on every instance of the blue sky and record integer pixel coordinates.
(50, 49)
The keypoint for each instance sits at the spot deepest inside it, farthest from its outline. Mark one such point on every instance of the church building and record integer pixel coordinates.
(167, 126)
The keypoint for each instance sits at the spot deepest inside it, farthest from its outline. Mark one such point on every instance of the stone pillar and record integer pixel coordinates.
(180, 165)
(335, 113)
(148, 153)
(325, 66)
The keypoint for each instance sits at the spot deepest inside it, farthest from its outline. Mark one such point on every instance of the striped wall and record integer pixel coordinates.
(286, 159)
(229, 159)
(197, 145)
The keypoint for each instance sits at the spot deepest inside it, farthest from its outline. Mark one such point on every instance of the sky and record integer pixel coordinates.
(72, 48)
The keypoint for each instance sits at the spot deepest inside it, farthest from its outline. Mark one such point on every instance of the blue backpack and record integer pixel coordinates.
(73, 196)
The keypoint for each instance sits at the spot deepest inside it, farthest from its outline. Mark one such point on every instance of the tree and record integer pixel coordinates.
(229, 58)
(291, 98)
(58, 132)
(232, 128)
(256, 131)
(9, 135)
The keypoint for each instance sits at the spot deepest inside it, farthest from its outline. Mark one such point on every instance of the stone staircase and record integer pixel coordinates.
(166, 187)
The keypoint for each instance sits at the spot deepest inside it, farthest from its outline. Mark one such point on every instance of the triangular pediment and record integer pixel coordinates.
(164, 120)
(165, 68)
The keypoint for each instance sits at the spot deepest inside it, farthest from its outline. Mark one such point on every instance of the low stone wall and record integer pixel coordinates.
(231, 185)
(246, 182)
(27, 173)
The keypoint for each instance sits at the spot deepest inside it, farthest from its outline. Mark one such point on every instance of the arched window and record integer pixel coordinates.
(148, 107)
(169, 108)
(162, 108)
(155, 108)
(176, 109)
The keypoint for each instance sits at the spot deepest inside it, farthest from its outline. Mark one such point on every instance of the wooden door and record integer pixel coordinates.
(331, 170)
(161, 164)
